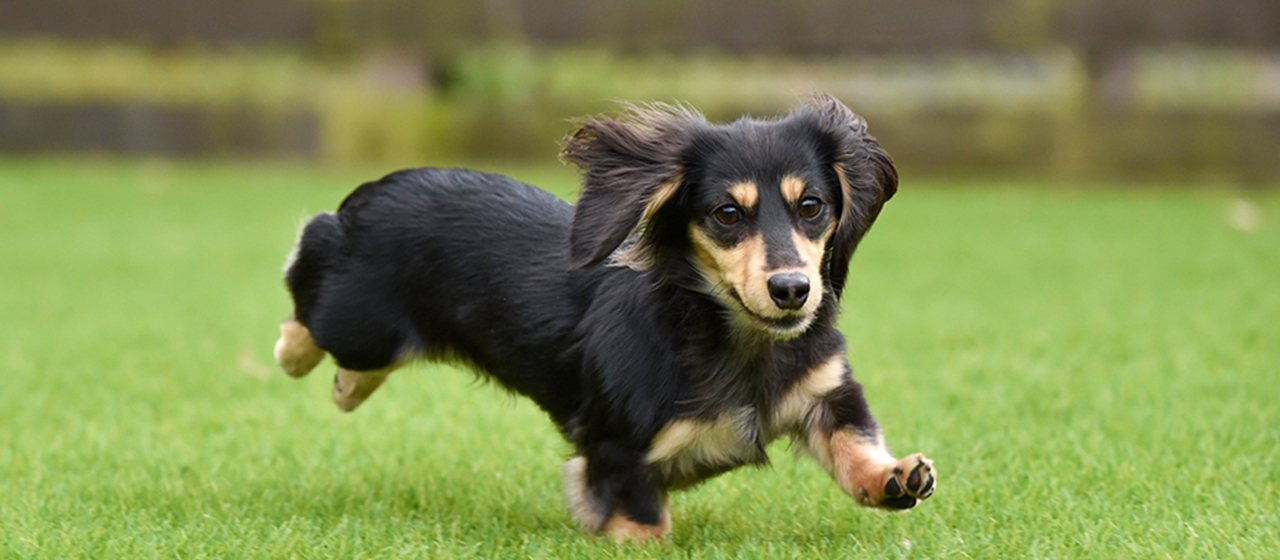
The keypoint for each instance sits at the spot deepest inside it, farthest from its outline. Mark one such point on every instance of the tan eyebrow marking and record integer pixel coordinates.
(745, 193)
(792, 188)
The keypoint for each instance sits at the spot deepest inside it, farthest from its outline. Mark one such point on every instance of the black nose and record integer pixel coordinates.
(789, 290)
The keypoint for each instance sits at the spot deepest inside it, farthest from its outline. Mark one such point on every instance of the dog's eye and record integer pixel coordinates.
(810, 207)
(727, 214)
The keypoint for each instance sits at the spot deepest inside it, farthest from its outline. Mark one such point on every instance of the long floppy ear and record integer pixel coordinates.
(867, 180)
(632, 168)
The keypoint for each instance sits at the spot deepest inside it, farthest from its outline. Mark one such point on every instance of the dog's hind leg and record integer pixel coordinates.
(350, 388)
(296, 351)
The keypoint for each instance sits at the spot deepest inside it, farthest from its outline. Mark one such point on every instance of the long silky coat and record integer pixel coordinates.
(675, 321)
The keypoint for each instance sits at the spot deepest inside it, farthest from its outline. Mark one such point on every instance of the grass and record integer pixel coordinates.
(1095, 371)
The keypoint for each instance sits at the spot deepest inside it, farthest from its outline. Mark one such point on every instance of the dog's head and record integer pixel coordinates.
(765, 215)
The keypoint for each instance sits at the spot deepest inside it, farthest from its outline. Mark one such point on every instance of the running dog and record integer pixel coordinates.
(672, 323)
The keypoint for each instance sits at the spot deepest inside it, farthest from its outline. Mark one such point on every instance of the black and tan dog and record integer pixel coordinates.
(675, 321)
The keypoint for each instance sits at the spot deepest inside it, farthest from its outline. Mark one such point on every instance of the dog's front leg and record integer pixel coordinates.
(610, 492)
(847, 441)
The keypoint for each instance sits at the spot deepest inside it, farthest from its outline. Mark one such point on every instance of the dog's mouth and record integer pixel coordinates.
(784, 327)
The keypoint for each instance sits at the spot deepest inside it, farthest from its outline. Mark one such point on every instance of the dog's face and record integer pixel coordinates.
(760, 219)
(765, 214)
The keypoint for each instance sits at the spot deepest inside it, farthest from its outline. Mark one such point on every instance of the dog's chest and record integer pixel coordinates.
(689, 449)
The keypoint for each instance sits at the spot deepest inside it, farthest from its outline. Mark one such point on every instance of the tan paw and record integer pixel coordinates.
(623, 530)
(906, 482)
(350, 388)
(296, 352)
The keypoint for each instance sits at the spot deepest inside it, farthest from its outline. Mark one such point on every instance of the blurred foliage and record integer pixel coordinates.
(1206, 79)
(1177, 110)
(39, 70)
(359, 120)
(517, 95)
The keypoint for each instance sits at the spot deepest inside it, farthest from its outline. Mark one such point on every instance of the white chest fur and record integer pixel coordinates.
(688, 446)
(685, 447)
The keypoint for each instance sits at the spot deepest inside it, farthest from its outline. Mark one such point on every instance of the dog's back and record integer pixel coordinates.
(445, 264)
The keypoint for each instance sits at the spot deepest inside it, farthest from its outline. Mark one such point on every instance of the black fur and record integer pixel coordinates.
(458, 264)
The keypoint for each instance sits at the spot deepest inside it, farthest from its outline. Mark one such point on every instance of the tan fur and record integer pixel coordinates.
(792, 414)
(740, 268)
(623, 530)
(811, 251)
(296, 352)
(582, 507)
(860, 466)
(631, 253)
(630, 256)
(350, 388)
(585, 512)
(792, 189)
(746, 194)
(660, 196)
(846, 192)
(684, 445)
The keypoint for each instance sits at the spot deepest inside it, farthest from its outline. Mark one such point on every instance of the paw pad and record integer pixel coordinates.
(905, 488)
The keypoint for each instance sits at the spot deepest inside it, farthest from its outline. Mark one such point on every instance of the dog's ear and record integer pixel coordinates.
(632, 168)
(867, 180)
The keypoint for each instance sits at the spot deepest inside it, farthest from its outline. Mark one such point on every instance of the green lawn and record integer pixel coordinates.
(1096, 373)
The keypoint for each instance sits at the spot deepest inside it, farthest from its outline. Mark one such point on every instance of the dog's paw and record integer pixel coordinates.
(906, 482)
(622, 530)
(350, 388)
(295, 352)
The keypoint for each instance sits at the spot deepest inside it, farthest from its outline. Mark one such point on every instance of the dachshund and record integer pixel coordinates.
(672, 323)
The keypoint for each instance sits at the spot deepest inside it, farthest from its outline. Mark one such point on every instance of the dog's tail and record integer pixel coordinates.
(321, 239)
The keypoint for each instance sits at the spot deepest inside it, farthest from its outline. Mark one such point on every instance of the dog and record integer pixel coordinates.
(672, 323)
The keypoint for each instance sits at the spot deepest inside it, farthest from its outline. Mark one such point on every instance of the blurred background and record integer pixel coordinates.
(1183, 90)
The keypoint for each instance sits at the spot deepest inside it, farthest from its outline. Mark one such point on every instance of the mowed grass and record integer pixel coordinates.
(1095, 371)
